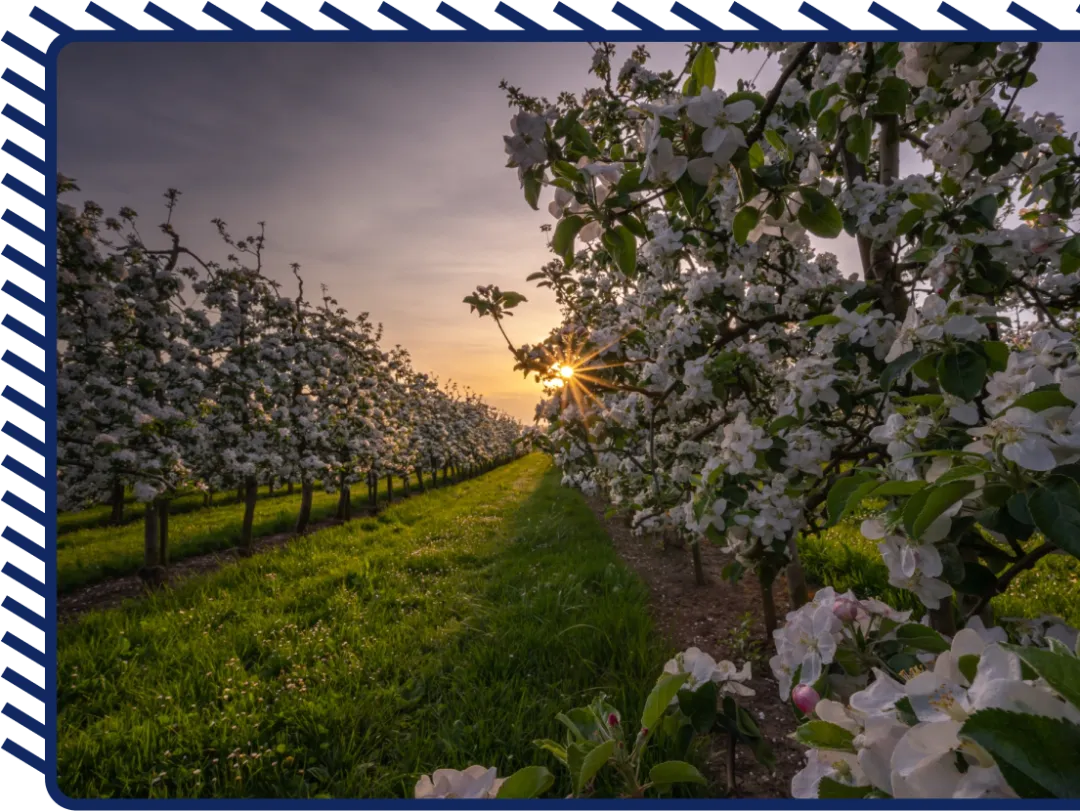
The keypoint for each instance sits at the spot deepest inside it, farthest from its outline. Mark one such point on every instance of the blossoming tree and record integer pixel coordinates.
(177, 372)
(716, 372)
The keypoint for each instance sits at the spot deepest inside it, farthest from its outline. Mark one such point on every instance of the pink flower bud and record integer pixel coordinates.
(612, 720)
(845, 609)
(805, 698)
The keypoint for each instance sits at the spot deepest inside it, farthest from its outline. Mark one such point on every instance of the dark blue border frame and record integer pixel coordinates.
(27, 285)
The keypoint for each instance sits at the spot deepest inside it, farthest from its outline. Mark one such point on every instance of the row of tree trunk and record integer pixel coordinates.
(156, 520)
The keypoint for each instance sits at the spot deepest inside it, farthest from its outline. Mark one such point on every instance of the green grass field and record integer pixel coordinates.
(86, 556)
(445, 632)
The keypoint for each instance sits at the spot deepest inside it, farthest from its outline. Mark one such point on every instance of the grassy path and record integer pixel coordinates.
(86, 556)
(448, 631)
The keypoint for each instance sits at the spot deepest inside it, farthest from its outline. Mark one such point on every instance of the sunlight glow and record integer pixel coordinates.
(566, 371)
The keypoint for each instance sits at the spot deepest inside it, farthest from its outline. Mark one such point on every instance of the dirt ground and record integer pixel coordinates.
(705, 617)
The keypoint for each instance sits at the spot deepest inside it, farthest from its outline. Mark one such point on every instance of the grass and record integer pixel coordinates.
(447, 631)
(842, 558)
(88, 556)
(99, 515)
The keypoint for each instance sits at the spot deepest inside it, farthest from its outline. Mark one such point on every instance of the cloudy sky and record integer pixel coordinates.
(378, 167)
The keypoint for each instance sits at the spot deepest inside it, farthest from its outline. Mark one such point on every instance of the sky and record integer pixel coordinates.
(379, 167)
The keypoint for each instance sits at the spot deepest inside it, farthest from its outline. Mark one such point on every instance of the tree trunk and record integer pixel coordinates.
(768, 606)
(206, 498)
(289, 489)
(405, 484)
(270, 487)
(307, 489)
(389, 488)
(163, 532)
(373, 490)
(343, 497)
(210, 497)
(116, 500)
(445, 475)
(347, 502)
(251, 492)
(152, 572)
(699, 567)
(796, 577)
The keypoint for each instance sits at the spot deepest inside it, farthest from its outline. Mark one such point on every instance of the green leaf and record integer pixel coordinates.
(563, 719)
(897, 369)
(563, 240)
(909, 220)
(777, 142)
(1042, 399)
(925, 368)
(745, 221)
(780, 423)
(829, 789)
(756, 156)
(1070, 256)
(622, 245)
(968, 665)
(1061, 671)
(928, 400)
(983, 210)
(634, 224)
(593, 761)
(675, 771)
(556, 749)
(657, 703)
(824, 735)
(826, 125)
(938, 500)
(860, 135)
(925, 201)
(997, 352)
(1055, 507)
(819, 215)
(1036, 754)
(961, 372)
(893, 96)
(837, 500)
(819, 99)
(699, 706)
(921, 638)
(527, 783)
(823, 320)
(905, 712)
(531, 184)
(755, 97)
(907, 488)
(704, 67)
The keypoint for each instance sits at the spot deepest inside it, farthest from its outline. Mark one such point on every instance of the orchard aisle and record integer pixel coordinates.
(724, 620)
(448, 631)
